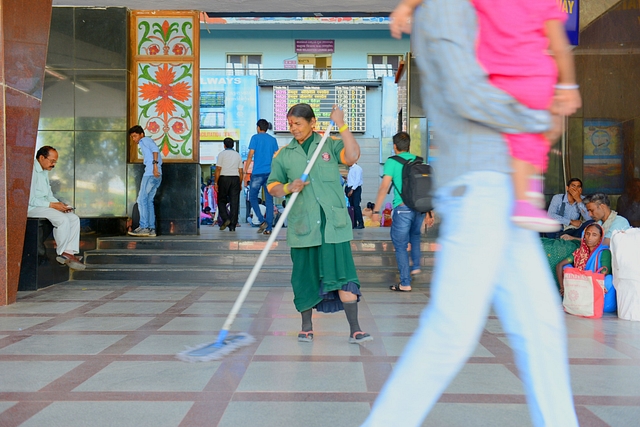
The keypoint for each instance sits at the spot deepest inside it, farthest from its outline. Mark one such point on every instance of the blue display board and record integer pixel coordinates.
(228, 108)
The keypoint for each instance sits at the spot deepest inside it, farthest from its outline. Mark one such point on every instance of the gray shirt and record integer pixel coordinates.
(469, 114)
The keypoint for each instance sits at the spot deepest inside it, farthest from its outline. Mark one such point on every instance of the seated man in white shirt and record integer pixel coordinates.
(42, 204)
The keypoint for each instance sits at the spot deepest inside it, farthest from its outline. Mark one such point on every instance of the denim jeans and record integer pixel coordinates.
(148, 188)
(484, 260)
(259, 181)
(405, 229)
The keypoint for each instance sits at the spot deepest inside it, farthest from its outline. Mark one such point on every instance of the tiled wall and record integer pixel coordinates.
(23, 43)
(608, 71)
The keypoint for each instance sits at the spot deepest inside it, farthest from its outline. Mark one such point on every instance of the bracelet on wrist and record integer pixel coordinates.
(343, 128)
(286, 189)
(566, 87)
(376, 212)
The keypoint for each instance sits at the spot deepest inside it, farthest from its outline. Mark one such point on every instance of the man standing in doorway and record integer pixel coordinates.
(151, 180)
(42, 204)
(354, 193)
(228, 183)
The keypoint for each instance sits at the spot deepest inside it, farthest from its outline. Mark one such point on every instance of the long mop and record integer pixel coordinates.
(226, 343)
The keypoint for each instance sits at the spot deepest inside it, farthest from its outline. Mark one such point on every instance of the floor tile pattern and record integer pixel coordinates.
(93, 355)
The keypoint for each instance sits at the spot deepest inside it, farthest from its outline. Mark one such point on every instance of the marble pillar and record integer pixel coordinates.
(24, 36)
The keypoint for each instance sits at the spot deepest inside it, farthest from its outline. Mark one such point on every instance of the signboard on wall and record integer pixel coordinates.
(602, 164)
(572, 25)
(315, 46)
(228, 108)
(352, 99)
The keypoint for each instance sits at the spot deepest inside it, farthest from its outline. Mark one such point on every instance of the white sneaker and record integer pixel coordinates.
(139, 232)
(152, 232)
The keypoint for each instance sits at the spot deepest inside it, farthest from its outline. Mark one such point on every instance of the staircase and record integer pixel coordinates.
(221, 258)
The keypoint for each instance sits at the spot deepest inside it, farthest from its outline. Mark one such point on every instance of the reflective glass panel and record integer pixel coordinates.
(100, 173)
(56, 112)
(100, 99)
(101, 38)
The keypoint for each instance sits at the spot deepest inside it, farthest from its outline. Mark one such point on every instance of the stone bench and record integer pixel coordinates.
(39, 267)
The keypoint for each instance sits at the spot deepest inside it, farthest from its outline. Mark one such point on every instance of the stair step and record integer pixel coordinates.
(221, 258)
(194, 244)
(176, 274)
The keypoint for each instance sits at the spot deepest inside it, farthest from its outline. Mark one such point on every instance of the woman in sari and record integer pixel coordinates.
(592, 255)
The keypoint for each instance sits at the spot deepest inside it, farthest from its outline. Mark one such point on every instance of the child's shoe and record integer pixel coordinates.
(534, 194)
(527, 216)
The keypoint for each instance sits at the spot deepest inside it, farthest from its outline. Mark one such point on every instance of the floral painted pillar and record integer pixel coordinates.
(164, 100)
(165, 81)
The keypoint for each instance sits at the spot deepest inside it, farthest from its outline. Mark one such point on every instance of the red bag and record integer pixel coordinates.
(583, 293)
(386, 217)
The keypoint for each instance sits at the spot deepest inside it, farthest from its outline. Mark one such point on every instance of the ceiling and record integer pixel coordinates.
(248, 7)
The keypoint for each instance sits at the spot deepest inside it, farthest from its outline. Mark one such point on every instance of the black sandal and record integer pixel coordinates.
(397, 288)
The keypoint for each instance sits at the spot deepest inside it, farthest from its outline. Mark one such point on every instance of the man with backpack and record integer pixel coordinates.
(408, 206)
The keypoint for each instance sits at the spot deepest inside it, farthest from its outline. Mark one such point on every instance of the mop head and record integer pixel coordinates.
(216, 351)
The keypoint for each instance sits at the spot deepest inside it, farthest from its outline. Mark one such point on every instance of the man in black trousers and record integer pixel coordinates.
(228, 177)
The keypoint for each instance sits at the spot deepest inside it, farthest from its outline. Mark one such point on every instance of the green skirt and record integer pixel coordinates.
(319, 272)
(557, 250)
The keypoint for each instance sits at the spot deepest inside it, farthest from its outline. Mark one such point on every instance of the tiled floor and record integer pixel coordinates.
(85, 355)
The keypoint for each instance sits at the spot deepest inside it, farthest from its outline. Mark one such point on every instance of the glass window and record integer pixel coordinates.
(246, 64)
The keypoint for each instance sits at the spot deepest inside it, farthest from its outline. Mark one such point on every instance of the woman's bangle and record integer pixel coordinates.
(286, 189)
(343, 128)
(566, 87)
(378, 212)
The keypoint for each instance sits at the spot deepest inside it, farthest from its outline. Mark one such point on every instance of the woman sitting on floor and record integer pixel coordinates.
(592, 255)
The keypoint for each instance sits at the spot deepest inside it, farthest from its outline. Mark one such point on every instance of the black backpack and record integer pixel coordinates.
(416, 184)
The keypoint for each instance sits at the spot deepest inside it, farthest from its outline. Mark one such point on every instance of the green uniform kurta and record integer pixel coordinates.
(319, 228)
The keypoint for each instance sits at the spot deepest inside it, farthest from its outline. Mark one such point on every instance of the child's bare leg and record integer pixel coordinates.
(527, 211)
(522, 172)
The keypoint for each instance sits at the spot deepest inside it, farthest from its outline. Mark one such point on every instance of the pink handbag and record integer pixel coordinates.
(583, 293)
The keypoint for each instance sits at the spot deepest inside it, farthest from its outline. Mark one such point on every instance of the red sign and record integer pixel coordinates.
(315, 46)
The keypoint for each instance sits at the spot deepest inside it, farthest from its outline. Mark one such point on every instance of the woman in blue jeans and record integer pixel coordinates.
(406, 223)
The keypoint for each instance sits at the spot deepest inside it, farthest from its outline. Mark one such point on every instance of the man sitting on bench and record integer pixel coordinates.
(42, 204)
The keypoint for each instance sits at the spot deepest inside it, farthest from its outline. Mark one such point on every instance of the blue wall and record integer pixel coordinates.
(352, 48)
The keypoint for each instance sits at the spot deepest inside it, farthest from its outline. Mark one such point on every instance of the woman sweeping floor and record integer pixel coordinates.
(319, 228)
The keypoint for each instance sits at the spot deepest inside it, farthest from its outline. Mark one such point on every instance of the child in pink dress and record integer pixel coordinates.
(513, 40)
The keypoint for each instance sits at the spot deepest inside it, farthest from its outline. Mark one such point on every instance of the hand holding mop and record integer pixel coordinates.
(228, 343)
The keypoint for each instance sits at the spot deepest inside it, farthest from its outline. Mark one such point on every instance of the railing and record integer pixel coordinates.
(308, 72)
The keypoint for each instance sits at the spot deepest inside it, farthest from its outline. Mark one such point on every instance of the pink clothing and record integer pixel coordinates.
(512, 48)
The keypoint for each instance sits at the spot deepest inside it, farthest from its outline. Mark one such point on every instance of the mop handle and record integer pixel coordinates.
(274, 234)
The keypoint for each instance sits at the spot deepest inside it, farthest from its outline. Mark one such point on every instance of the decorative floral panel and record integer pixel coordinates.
(164, 36)
(165, 106)
(166, 81)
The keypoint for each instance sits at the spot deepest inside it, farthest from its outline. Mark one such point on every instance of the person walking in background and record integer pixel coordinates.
(228, 184)
(151, 180)
(512, 44)
(475, 200)
(406, 224)
(42, 204)
(354, 193)
(262, 148)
